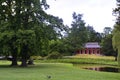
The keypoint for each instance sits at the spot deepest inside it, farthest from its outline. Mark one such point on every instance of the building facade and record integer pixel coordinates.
(91, 48)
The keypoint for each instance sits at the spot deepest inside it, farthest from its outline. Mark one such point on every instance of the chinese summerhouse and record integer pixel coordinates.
(90, 48)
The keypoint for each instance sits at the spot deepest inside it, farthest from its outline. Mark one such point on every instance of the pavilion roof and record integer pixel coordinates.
(92, 45)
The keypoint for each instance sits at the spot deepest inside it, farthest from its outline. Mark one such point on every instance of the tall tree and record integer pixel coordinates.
(107, 48)
(106, 43)
(116, 31)
(77, 35)
(7, 28)
(24, 28)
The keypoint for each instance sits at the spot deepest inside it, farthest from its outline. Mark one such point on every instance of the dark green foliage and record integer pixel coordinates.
(93, 36)
(77, 35)
(25, 28)
(107, 48)
(61, 44)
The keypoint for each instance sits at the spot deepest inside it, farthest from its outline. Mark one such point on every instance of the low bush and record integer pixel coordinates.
(54, 55)
(36, 57)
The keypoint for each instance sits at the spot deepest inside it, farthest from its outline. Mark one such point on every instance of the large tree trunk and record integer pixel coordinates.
(116, 54)
(14, 60)
(24, 55)
(14, 57)
(118, 57)
(115, 58)
(24, 63)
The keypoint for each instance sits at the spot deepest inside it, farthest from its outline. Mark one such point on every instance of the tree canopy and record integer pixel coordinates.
(25, 28)
(92, 35)
(77, 34)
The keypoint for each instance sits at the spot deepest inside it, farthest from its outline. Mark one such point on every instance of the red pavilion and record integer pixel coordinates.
(90, 48)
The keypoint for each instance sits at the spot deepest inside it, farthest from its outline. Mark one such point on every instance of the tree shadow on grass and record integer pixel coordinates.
(29, 66)
(4, 66)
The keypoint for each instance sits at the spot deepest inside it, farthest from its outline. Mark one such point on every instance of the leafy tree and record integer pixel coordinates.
(107, 48)
(116, 31)
(93, 36)
(107, 30)
(77, 35)
(54, 34)
(7, 27)
(106, 43)
(25, 28)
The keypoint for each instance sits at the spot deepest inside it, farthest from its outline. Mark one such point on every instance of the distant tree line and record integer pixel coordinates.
(76, 36)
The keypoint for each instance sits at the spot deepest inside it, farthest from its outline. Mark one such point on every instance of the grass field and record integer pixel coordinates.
(57, 71)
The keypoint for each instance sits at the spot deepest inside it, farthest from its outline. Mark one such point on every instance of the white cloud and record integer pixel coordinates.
(97, 13)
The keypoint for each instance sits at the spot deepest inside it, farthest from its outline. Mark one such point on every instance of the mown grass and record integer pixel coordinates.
(60, 69)
(57, 71)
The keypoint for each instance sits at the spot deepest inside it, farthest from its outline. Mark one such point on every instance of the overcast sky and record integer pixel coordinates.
(97, 13)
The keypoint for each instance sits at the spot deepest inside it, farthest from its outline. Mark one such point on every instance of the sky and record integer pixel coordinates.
(96, 13)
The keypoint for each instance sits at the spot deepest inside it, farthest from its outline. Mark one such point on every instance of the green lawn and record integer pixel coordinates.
(57, 71)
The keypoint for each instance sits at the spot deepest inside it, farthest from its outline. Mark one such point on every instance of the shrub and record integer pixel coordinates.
(36, 57)
(54, 55)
